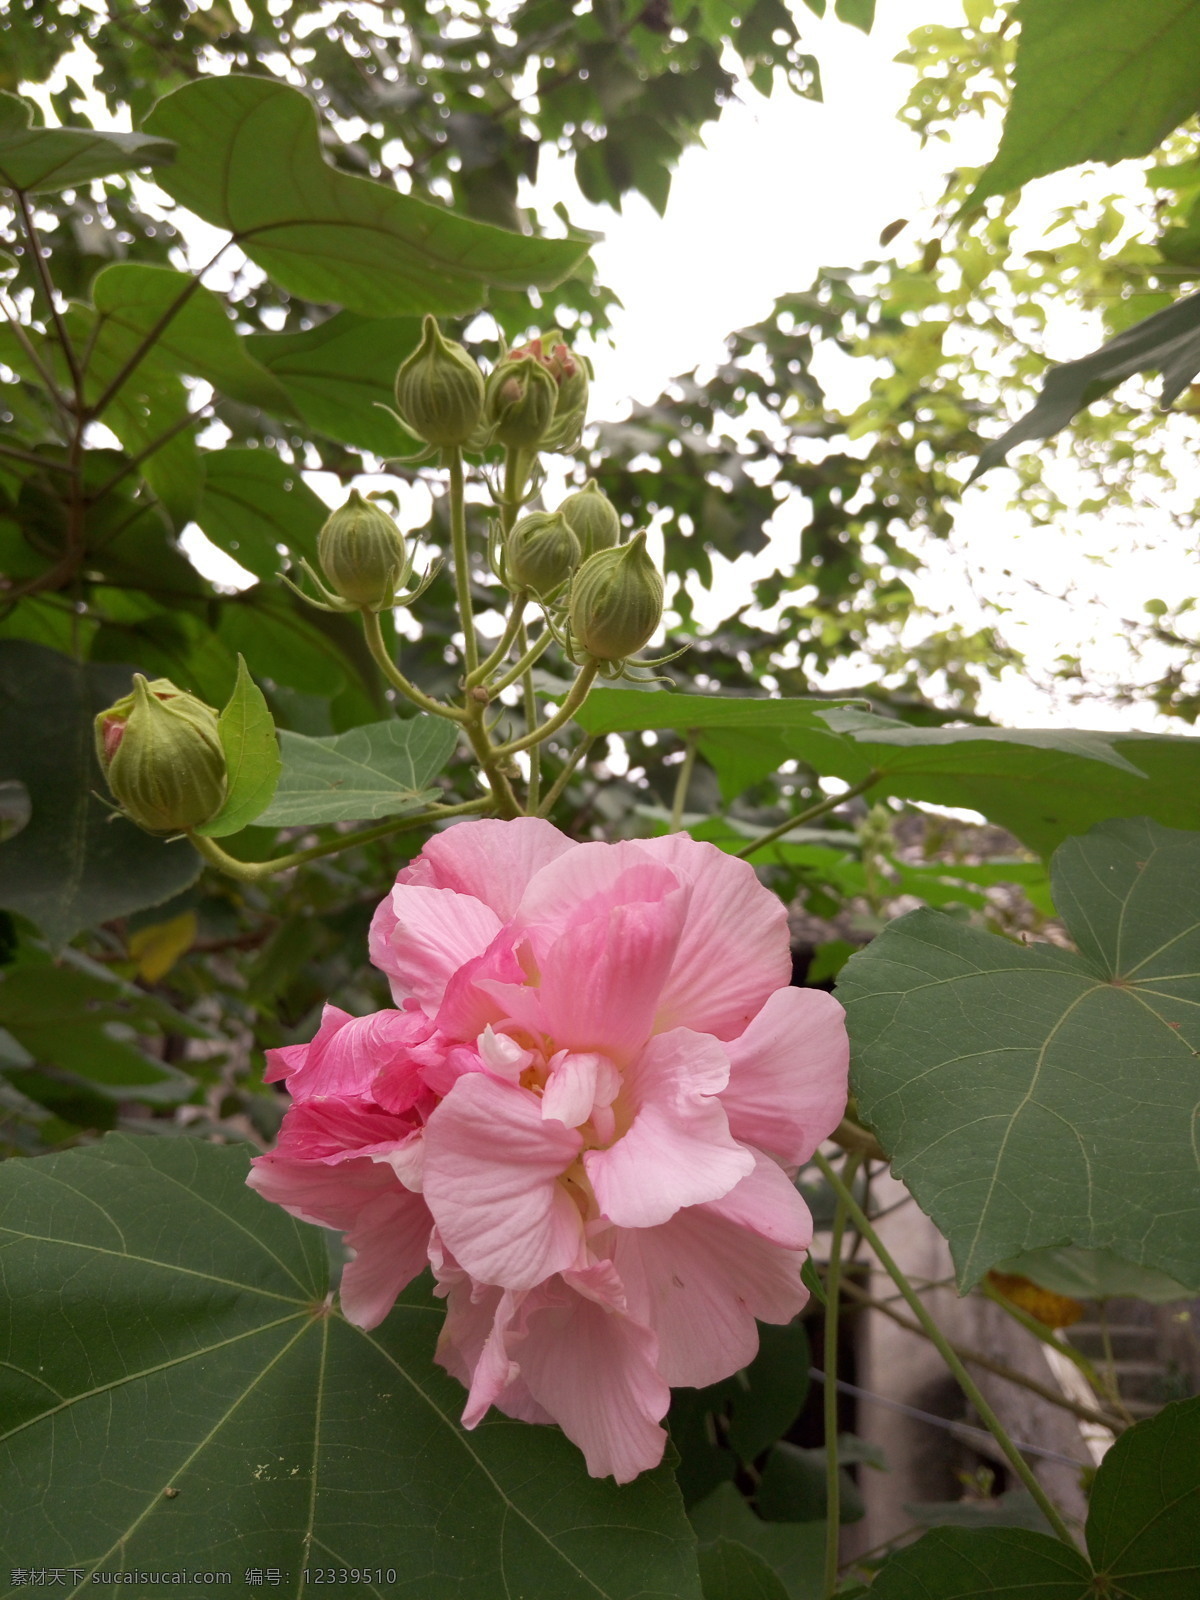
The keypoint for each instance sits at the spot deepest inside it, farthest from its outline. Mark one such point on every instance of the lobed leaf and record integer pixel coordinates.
(249, 160)
(1035, 1097)
(381, 770)
(177, 1375)
(252, 757)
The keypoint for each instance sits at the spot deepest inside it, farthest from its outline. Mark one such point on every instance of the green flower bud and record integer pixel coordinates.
(540, 553)
(593, 518)
(362, 553)
(160, 751)
(570, 373)
(439, 390)
(616, 601)
(519, 401)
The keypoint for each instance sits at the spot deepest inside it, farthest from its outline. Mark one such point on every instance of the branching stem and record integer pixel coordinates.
(822, 808)
(373, 632)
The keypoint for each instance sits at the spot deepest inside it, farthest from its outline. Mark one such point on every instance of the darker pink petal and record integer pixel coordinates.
(348, 1052)
(788, 1080)
(492, 1166)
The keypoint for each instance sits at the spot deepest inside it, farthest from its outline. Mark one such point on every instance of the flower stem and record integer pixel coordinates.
(682, 784)
(533, 797)
(256, 871)
(516, 616)
(822, 807)
(833, 1482)
(564, 777)
(520, 667)
(374, 636)
(462, 570)
(578, 694)
(936, 1337)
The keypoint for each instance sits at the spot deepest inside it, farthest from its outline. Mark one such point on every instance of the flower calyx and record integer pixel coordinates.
(540, 554)
(365, 561)
(593, 518)
(616, 603)
(439, 390)
(160, 751)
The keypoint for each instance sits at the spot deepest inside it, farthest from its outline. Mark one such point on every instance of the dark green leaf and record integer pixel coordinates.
(169, 1330)
(999, 1563)
(1016, 1508)
(792, 1550)
(74, 864)
(732, 1571)
(42, 159)
(338, 375)
(1018, 1090)
(793, 1488)
(381, 770)
(1143, 1527)
(1095, 83)
(1168, 342)
(251, 758)
(249, 160)
(254, 506)
(198, 338)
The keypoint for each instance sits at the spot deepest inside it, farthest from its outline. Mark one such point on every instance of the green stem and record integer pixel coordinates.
(516, 616)
(822, 807)
(833, 1482)
(42, 273)
(938, 1339)
(462, 570)
(1045, 1336)
(520, 667)
(255, 871)
(564, 777)
(373, 631)
(534, 795)
(682, 784)
(578, 694)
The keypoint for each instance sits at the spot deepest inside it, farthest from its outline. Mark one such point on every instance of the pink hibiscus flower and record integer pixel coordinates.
(585, 1113)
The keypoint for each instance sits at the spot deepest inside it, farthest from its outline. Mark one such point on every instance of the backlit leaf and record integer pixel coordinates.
(381, 770)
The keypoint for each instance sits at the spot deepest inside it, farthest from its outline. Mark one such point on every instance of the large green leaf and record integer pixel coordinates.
(1095, 83)
(42, 159)
(1094, 1275)
(249, 160)
(732, 1571)
(999, 1563)
(339, 374)
(74, 864)
(178, 1390)
(1044, 784)
(1167, 342)
(252, 757)
(381, 770)
(254, 506)
(1143, 1534)
(1031, 1096)
(198, 338)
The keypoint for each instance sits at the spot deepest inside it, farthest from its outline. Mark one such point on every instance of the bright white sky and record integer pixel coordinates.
(779, 188)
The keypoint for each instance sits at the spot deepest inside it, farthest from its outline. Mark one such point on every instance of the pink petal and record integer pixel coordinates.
(420, 937)
(579, 1082)
(678, 1150)
(788, 1081)
(491, 1179)
(347, 1052)
(595, 1371)
(337, 1130)
(494, 860)
(332, 1196)
(391, 1245)
(601, 979)
(700, 1281)
(471, 1321)
(469, 1004)
(735, 950)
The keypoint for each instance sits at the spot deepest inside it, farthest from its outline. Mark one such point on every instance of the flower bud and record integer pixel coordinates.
(616, 601)
(519, 402)
(592, 517)
(160, 751)
(362, 553)
(439, 390)
(540, 553)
